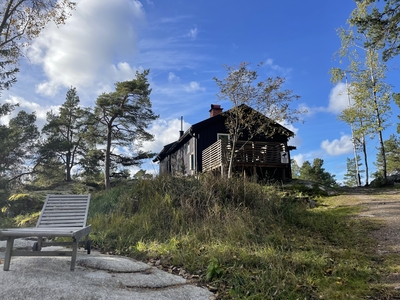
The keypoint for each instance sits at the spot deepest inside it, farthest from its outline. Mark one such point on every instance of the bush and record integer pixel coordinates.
(21, 204)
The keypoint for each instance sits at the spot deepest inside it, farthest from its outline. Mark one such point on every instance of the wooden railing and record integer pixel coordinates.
(246, 153)
(213, 156)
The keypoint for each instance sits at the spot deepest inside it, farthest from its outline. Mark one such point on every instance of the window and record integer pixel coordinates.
(223, 136)
(188, 148)
(191, 162)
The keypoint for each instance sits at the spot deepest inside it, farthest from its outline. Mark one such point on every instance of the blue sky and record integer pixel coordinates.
(185, 43)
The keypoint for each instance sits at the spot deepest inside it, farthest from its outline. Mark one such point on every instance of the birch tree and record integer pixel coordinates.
(370, 94)
(242, 86)
(20, 22)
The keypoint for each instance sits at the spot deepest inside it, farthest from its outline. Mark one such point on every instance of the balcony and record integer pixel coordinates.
(247, 154)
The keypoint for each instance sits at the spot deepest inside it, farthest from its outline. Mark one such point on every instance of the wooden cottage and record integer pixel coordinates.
(206, 147)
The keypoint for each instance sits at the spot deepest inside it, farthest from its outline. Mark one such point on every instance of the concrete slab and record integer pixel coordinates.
(96, 276)
(112, 264)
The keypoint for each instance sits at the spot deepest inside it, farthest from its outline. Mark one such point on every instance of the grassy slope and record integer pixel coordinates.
(245, 240)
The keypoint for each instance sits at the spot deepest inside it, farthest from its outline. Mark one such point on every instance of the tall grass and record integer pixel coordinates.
(243, 238)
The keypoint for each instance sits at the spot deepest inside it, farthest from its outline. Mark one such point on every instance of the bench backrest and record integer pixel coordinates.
(64, 211)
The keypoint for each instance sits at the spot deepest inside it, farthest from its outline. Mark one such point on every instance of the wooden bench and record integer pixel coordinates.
(61, 216)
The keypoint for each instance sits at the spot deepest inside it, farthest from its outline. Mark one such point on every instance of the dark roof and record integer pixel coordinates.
(195, 127)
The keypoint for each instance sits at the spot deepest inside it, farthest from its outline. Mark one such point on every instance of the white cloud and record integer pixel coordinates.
(299, 158)
(338, 99)
(165, 132)
(194, 87)
(29, 107)
(84, 49)
(338, 147)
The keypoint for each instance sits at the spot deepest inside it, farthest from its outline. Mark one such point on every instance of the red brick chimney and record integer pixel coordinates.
(215, 110)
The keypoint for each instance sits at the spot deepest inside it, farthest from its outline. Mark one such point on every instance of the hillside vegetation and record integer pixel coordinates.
(242, 239)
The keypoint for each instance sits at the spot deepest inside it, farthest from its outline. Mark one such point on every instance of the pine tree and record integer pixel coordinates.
(122, 118)
(351, 178)
(392, 147)
(317, 173)
(66, 133)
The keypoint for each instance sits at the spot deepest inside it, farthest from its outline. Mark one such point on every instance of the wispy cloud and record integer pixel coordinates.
(275, 69)
(193, 33)
(172, 77)
(194, 86)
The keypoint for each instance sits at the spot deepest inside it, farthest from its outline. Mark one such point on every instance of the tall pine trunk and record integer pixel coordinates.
(68, 167)
(107, 160)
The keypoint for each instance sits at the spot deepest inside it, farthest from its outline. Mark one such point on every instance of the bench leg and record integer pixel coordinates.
(74, 252)
(40, 241)
(9, 248)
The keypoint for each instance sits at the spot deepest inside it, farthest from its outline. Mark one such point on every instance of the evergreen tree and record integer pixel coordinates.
(392, 147)
(66, 132)
(317, 173)
(17, 147)
(351, 178)
(122, 119)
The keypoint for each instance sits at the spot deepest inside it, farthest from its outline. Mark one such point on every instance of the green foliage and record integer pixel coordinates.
(350, 178)
(18, 143)
(392, 151)
(47, 174)
(380, 24)
(20, 22)
(316, 173)
(214, 269)
(26, 220)
(8, 71)
(379, 181)
(369, 95)
(22, 204)
(66, 134)
(121, 120)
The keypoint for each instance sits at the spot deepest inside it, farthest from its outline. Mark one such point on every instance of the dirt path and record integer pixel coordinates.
(382, 205)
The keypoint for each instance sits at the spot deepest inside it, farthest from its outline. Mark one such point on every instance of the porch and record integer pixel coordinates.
(248, 156)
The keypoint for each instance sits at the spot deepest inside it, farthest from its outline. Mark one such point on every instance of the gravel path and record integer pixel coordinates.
(382, 205)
